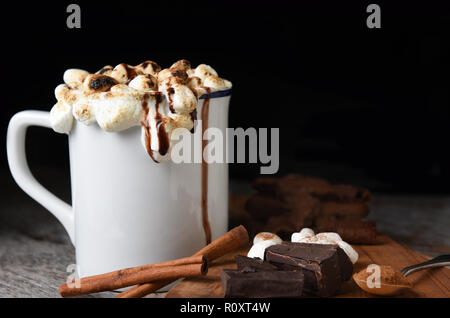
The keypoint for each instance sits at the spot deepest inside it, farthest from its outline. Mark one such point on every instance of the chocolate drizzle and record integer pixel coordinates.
(146, 125)
(170, 92)
(164, 145)
(131, 72)
(163, 138)
(205, 219)
(193, 118)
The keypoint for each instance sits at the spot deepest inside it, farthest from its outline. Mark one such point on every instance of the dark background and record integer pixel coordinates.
(369, 106)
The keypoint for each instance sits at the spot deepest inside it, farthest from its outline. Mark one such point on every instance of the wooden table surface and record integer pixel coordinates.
(432, 283)
(35, 250)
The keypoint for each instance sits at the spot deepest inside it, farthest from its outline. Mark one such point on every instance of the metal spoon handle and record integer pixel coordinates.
(441, 260)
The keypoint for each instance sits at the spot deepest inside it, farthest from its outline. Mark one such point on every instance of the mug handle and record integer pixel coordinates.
(15, 148)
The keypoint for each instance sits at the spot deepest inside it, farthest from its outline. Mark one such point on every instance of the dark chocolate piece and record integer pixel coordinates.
(325, 267)
(246, 263)
(261, 284)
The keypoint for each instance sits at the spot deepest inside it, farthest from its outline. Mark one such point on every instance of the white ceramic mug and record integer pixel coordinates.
(126, 209)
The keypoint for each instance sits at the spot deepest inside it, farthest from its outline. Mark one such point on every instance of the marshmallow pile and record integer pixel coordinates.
(265, 239)
(120, 97)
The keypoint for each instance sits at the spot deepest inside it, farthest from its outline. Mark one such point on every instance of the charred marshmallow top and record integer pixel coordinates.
(125, 96)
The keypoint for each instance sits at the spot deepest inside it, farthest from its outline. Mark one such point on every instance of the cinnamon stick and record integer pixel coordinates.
(143, 290)
(195, 259)
(228, 242)
(186, 267)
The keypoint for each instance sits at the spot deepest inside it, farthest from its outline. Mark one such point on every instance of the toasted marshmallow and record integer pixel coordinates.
(164, 74)
(181, 65)
(118, 110)
(170, 82)
(61, 118)
(190, 72)
(115, 110)
(180, 121)
(195, 84)
(75, 75)
(83, 113)
(203, 71)
(144, 83)
(67, 94)
(61, 91)
(123, 73)
(153, 118)
(98, 83)
(307, 236)
(181, 98)
(149, 67)
(216, 82)
(105, 70)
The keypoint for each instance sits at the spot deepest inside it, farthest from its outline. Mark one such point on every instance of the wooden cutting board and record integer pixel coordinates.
(427, 283)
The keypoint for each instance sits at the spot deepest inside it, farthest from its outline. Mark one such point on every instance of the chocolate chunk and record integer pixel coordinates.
(325, 267)
(261, 284)
(255, 264)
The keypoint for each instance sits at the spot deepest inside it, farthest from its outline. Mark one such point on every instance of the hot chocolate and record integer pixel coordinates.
(160, 100)
(125, 96)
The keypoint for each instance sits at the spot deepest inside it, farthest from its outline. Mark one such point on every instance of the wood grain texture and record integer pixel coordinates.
(431, 283)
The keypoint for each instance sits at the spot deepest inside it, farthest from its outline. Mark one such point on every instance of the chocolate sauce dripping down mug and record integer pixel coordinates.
(126, 209)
